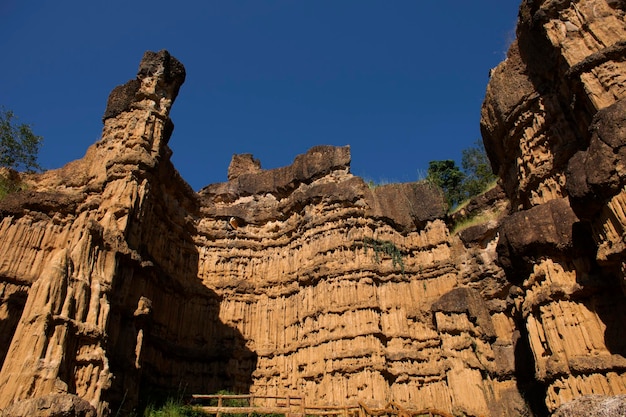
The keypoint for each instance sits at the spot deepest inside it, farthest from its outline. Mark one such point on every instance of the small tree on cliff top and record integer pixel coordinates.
(458, 185)
(19, 146)
(446, 175)
(477, 168)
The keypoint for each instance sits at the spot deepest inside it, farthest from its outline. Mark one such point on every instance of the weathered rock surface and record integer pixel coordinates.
(594, 405)
(299, 280)
(80, 265)
(553, 126)
(117, 278)
(52, 405)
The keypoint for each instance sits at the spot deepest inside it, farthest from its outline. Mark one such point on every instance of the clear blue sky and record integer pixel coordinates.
(402, 81)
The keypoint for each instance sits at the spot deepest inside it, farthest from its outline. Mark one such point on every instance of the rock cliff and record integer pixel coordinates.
(119, 280)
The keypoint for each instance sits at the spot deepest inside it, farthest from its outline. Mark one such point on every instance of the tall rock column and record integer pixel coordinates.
(75, 226)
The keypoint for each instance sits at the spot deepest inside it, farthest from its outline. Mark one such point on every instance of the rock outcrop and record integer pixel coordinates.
(301, 280)
(52, 405)
(118, 279)
(333, 285)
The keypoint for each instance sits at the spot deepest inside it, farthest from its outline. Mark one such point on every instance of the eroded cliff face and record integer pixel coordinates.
(348, 293)
(300, 281)
(553, 125)
(118, 279)
(101, 294)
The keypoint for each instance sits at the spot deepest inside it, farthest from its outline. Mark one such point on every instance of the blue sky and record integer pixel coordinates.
(402, 81)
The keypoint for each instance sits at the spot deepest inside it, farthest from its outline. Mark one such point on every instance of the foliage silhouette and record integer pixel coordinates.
(19, 146)
(459, 185)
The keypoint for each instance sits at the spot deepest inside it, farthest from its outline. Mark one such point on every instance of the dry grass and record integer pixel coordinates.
(481, 218)
(464, 203)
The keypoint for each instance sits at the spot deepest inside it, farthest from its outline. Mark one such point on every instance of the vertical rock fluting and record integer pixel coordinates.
(336, 287)
(295, 281)
(552, 123)
(74, 226)
(103, 248)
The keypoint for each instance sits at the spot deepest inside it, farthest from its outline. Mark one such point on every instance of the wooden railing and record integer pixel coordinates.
(219, 404)
(248, 404)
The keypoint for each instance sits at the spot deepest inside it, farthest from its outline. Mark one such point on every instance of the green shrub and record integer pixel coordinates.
(461, 185)
(8, 185)
(385, 247)
(173, 408)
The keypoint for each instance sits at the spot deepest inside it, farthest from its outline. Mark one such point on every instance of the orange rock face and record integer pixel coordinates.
(118, 279)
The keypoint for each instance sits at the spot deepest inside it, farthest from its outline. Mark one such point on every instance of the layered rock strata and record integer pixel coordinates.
(337, 288)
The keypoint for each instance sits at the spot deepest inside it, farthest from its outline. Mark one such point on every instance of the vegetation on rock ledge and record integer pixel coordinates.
(19, 147)
(459, 185)
(385, 247)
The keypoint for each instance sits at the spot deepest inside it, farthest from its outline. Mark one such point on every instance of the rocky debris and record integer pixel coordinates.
(52, 405)
(594, 405)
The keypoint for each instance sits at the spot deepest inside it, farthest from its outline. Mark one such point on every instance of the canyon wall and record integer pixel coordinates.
(119, 281)
(349, 293)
